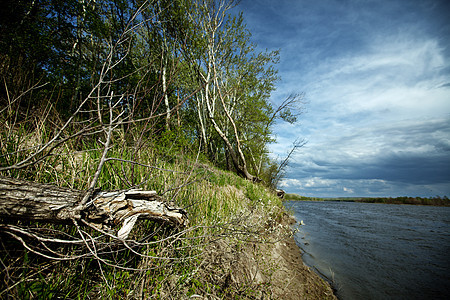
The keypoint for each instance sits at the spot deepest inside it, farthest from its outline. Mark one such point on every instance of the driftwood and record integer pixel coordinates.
(25, 200)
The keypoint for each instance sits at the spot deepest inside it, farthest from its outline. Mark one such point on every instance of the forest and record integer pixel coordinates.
(132, 73)
(160, 100)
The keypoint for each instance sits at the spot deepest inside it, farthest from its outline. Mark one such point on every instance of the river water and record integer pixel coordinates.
(377, 251)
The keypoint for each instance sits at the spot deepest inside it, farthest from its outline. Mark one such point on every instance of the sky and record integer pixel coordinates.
(376, 82)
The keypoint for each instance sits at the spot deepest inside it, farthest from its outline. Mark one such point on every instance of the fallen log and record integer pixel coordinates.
(26, 200)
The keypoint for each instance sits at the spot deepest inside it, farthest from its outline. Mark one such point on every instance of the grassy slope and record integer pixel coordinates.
(250, 252)
(238, 244)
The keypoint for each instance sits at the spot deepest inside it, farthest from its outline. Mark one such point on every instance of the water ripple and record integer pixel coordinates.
(377, 251)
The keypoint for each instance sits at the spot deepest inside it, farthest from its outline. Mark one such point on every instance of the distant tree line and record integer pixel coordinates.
(435, 201)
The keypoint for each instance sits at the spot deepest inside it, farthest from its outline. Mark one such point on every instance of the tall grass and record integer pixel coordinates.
(220, 205)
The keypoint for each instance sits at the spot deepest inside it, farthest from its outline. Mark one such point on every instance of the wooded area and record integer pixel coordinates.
(118, 105)
(140, 70)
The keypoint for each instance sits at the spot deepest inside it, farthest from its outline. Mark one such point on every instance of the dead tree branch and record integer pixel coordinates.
(20, 199)
(298, 143)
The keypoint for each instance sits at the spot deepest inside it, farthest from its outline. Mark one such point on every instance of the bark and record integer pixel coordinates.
(166, 98)
(241, 168)
(25, 200)
(200, 118)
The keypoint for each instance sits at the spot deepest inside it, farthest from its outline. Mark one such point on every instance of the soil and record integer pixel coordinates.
(294, 280)
(268, 268)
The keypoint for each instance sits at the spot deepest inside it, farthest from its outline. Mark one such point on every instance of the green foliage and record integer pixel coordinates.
(213, 199)
(295, 197)
(43, 280)
(65, 45)
(78, 75)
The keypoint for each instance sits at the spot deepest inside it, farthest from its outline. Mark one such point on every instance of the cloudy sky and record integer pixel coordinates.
(376, 78)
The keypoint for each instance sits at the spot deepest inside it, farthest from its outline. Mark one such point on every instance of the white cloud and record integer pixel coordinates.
(413, 151)
(290, 183)
(316, 182)
(370, 187)
(386, 77)
(351, 191)
(311, 182)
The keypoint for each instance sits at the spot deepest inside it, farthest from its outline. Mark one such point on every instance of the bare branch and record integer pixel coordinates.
(298, 143)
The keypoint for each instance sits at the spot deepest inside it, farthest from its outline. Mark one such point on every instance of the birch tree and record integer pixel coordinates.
(236, 81)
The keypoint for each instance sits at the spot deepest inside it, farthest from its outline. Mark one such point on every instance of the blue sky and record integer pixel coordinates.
(376, 78)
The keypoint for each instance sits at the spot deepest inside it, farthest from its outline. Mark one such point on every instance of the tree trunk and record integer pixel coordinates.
(25, 200)
(166, 98)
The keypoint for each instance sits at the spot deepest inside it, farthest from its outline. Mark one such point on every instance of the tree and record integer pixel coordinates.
(109, 84)
(30, 201)
(235, 81)
(298, 143)
(89, 95)
(96, 121)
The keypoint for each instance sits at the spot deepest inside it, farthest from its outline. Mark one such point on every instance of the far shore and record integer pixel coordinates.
(432, 201)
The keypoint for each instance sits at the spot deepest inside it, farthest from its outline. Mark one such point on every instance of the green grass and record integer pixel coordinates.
(220, 205)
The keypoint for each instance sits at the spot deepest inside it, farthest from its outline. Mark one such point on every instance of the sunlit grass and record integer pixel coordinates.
(220, 205)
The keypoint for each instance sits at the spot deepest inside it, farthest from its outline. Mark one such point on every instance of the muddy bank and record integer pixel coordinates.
(270, 268)
(294, 280)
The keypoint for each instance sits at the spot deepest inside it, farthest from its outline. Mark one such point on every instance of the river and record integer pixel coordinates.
(377, 251)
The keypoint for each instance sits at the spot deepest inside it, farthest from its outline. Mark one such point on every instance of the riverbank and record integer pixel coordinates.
(294, 280)
(239, 245)
(269, 268)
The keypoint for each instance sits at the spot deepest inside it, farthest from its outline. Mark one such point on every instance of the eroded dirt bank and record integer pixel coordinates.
(270, 268)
